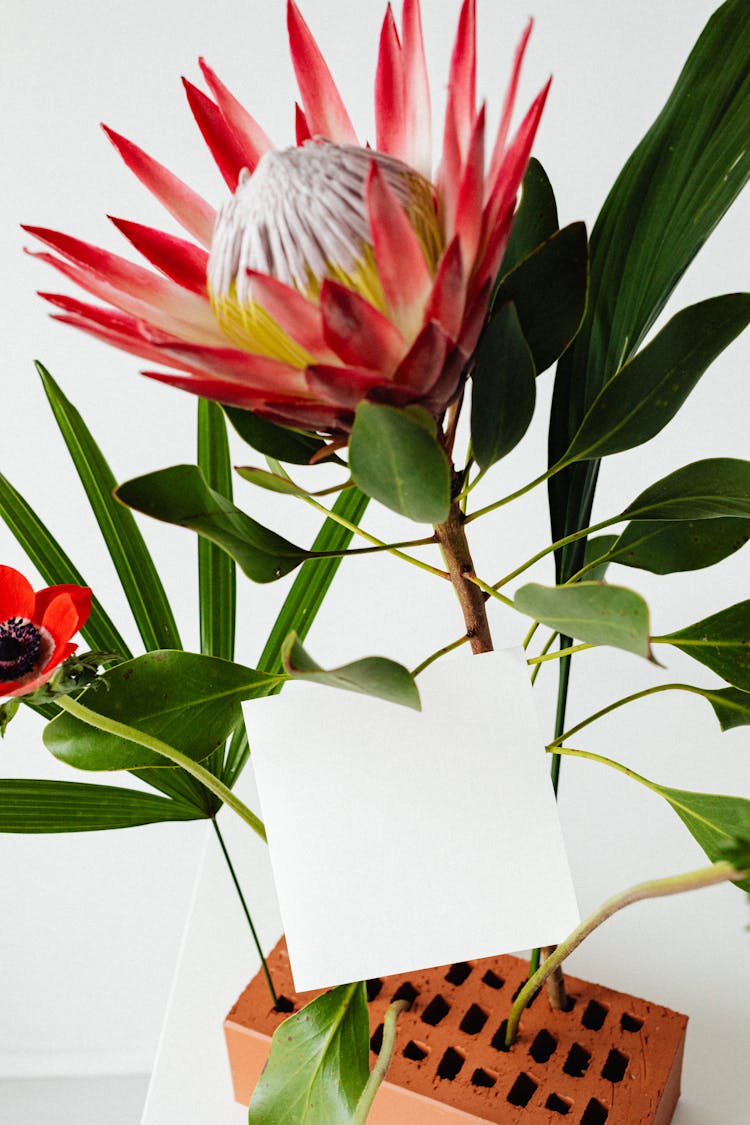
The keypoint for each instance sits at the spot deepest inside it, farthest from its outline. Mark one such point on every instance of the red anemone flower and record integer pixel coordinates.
(334, 271)
(35, 630)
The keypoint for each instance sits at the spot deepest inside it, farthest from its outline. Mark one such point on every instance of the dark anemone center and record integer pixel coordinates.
(20, 642)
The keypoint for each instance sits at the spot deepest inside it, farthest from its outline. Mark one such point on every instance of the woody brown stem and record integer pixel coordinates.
(558, 997)
(451, 535)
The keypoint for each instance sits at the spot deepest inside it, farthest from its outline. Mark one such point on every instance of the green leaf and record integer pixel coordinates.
(718, 486)
(181, 496)
(598, 549)
(671, 546)
(549, 290)
(54, 565)
(292, 446)
(395, 458)
(374, 675)
(503, 388)
(68, 806)
(135, 568)
(714, 821)
(318, 1064)
(534, 221)
(670, 195)
(272, 482)
(188, 701)
(731, 706)
(596, 613)
(217, 578)
(647, 392)
(721, 642)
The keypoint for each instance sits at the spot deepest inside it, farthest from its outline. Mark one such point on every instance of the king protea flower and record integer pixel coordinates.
(35, 630)
(334, 271)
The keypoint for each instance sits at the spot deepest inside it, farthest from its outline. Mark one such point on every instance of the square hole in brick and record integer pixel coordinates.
(594, 1113)
(577, 1062)
(543, 1047)
(522, 1090)
(436, 1010)
(374, 988)
(406, 991)
(630, 1023)
(376, 1041)
(450, 1064)
(615, 1066)
(492, 980)
(474, 1020)
(483, 1078)
(415, 1051)
(458, 973)
(498, 1039)
(594, 1016)
(558, 1105)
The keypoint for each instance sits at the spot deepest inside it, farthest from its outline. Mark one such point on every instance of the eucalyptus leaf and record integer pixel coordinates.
(672, 546)
(36, 805)
(717, 486)
(291, 446)
(731, 706)
(645, 394)
(189, 702)
(721, 642)
(598, 550)
(673, 190)
(395, 458)
(180, 495)
(535, 219)
(593, 612)
(318, 1064)
(374, 675)
(713, 820)
(271, 482)
(549, 290)
(503, 388)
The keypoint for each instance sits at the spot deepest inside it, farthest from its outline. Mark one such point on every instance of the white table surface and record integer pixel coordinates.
(191, 1082)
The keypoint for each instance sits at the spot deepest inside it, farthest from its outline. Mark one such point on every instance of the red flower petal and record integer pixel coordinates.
(183, 261)
(253, 139)
(226, 148)
(16, 594)
(357, 332)
(342, 386)
(509, 102)
(301, 128)
(416, 92)
(294, 313)
(390, 119)
(324, 109)
(463, 76)
(421, 367)
(446, 304)
(471, 196)
(188, 208)
(401, 266)
(80, 598)
(258, 372)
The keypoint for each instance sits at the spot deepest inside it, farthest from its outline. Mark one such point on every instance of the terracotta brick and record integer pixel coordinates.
(612, 1058)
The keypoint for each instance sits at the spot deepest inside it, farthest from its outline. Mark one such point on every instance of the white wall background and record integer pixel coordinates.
(90, 924)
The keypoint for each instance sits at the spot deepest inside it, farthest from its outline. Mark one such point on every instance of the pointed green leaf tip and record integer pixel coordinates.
(720, 642)
(394, 457)
(318, 1064)
(374, 675)
(593, 612)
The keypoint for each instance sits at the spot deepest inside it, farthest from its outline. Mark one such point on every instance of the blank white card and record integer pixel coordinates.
(402, 840)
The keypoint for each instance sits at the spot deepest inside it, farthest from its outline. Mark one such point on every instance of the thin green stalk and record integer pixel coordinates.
(440, 652)
(722, 872)
(621, 703)
(378, 1072)
(512, 496)
(561, 654)
(559, 544)
(550, 641)
(490, 591)
(530, 635)
(120, 730)
(243, 903)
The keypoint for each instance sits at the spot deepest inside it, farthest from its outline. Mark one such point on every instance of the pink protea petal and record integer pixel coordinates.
(471, 196)
(192, 212)
(493, 251)
(448, 297)
(357, 332)
(449, 176)
(462, 81)
(299, 317)
(342, 386)
(253, 139)
(401, 265)
(232, 392)
(511, 170)
(226, 148)
(448, 383)
(301, 128)
(309, 416)
(507, 111)
(390, 118)
(259, 372)
(324, 109)
(417, 112)
(474, 320)
(421, 366)
(183, 261)
(16, 594)
(80, 597)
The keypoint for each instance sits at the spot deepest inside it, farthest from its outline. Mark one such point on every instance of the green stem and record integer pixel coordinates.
(722, 872)
(199, 772)
(378, 1072)
(243, 903)
(558, 545)
(621, 703)
(490, 591)
(561, 654)
(550, 641)
(440, 652)
(512, 496)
